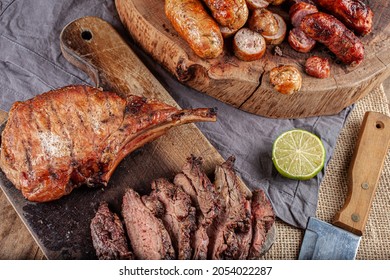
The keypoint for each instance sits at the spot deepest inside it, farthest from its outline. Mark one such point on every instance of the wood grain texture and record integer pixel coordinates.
(364, 172)
(16, 242)
(245, 85)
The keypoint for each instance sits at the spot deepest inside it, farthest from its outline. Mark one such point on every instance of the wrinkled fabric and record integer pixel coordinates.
(31, 63)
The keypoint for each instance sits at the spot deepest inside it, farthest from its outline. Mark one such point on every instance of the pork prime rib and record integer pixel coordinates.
(77, 135)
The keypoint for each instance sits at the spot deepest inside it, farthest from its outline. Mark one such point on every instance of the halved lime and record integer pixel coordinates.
(298, 154)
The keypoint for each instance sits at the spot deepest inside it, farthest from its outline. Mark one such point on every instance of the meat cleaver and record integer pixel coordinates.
(340, 240)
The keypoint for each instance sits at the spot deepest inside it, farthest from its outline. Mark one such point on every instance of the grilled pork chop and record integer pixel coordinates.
(77, 135)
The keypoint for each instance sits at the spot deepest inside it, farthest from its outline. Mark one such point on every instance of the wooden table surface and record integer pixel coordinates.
(16, 242)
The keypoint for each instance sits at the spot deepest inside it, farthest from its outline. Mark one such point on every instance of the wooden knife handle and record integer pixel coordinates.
(364, 172)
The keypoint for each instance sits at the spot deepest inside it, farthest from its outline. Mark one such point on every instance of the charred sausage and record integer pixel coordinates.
(299, 41)
(196, 26)
(230, 13)
(318, 67)
(328, 30)
(299, 10)
(354, 14)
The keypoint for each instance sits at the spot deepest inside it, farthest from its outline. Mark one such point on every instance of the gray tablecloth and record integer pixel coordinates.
(31, 63)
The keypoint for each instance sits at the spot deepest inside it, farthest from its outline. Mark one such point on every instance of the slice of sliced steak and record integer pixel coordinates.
(231, 231)
(244, 236)
(178, 215)
(148, 237)
(263, 218)
(200, 241)
(194, 181)
(108, 235)
(77, 135)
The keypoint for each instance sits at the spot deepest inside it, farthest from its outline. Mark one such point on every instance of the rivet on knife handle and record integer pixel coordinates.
(364, 172)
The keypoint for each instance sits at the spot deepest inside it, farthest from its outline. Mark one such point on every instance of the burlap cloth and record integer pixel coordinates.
(375, 243)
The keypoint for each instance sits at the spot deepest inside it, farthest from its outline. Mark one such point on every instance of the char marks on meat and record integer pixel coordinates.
(231, 231)
(194, 181)
(193, 218)
(355, 14)
(263, 218)
(77, 135)
(329, 31)
(178, 215)
(147, 234)
(108, 235)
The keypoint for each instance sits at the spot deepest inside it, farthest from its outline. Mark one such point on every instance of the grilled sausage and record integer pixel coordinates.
(196, 26)
(354, 14)
(280, 35)
(257, 4)
(227, 32)
(248, 45)
(299, 10)
(277, 2)
(286, 79)
(299, 41)
(318, 67)
(264, 22)
(328, 30)
(230, 13)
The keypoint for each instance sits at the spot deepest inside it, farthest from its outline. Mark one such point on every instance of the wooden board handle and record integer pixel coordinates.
(95, 47)
(364, 172)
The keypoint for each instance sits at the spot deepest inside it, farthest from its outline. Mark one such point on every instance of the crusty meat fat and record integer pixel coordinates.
(77, 135)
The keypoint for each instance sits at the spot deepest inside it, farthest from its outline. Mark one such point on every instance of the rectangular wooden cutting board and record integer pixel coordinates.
(61, 228)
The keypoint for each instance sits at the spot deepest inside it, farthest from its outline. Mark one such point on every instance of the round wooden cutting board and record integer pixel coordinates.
(246, 85)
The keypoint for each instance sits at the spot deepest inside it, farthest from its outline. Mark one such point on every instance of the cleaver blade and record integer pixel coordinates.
(340, 240)
(323, 241)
